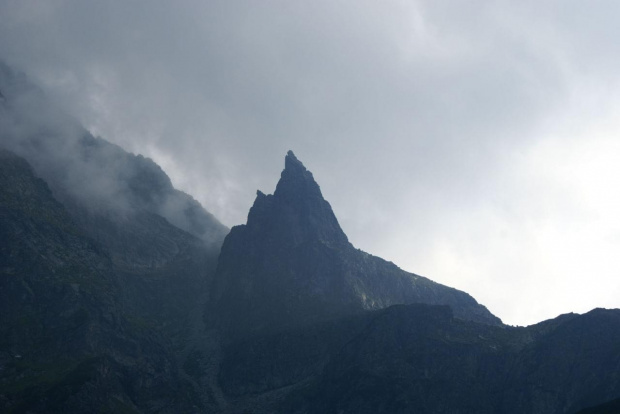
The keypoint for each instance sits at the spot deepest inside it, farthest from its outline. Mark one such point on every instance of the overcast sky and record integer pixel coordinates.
(475, 143)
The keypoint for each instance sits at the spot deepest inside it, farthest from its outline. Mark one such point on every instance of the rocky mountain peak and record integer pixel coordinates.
(292, 265)
(297, 211)
(291, 161)
(296, 181)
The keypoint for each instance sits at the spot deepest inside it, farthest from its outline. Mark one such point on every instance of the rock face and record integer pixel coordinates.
(292, 264)
(84, 331)
(317, 326)
(113, 299)
(410, 358)
(419, 358)
(104, 271)
(69, 342)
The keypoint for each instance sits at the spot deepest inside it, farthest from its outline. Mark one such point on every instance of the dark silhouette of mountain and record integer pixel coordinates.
(116, 297)
(68, 341)
(410, 359)
(292, 264)
(82, 332)
(419, 358)
(159, 248)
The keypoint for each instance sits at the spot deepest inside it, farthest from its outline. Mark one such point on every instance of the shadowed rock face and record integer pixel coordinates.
(297, 213)
(420, 359)
(104, 270)
(292, 264)
(68, 340)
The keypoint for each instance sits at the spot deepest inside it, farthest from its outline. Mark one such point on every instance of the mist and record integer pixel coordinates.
(87, 172)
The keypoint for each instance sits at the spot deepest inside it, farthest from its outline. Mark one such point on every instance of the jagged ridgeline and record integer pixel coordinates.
(90, 173)
(292, 264)
(121, 294)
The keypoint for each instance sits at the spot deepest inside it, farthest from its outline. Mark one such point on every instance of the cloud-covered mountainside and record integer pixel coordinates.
(119, 293)
(90, 172)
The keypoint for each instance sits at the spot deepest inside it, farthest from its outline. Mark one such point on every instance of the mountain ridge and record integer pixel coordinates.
(292, 263)
(390, 360)
(113, 300)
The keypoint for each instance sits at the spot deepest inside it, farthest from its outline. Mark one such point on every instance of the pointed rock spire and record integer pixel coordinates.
(291, 161)
(292, 264)
(296, 211)
(296, 180)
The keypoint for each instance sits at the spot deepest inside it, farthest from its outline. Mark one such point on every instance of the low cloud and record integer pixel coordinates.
(88, 173)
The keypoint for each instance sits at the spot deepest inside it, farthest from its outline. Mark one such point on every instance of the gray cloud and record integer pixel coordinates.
(439, 131)
(90, 175)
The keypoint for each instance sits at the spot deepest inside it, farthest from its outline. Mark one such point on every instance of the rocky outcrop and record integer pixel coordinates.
(94, 234)
(292, 264)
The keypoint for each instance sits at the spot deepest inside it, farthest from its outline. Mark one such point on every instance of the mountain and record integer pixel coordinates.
(119, 293)
(139, 249)
(89, 175)
(313, 325)
(292, 264)
(68, 341)
(420, 359)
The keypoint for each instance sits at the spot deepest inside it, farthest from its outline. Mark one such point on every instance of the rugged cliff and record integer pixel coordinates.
(292, 264)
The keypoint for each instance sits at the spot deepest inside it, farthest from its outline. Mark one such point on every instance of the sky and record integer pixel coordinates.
(474, 143)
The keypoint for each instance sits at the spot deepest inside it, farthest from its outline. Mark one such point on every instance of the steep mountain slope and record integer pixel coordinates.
(159, 245)
(68, 343)
(110, 301)
(317, 326)
(89, 175)
(292, 264)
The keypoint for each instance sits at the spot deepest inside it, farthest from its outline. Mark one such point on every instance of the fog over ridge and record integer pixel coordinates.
(87, 171)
